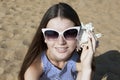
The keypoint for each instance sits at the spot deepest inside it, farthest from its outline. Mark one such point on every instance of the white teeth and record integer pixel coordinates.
(61, 49)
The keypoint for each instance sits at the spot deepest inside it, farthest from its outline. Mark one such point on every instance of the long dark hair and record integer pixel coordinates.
(38, 45)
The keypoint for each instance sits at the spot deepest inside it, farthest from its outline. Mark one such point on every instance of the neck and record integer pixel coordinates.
(56, 63)
(59, 64)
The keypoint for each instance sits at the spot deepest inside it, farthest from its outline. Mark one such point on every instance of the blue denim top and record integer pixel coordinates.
(50, 72)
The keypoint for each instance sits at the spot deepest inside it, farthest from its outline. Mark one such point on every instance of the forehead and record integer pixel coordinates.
(60, 24)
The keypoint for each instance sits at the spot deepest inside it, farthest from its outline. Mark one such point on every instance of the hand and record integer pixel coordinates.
(88, 51)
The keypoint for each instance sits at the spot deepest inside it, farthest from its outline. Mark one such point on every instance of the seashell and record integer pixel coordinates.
(83, 35)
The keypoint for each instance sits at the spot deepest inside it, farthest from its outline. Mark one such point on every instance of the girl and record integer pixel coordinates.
(52, 54)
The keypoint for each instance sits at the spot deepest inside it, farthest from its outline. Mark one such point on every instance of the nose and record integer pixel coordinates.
(61, 40)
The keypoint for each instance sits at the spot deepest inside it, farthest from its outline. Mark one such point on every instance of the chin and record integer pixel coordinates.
(63, 57)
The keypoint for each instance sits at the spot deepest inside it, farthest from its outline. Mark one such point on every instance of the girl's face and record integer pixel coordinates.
(59, 48)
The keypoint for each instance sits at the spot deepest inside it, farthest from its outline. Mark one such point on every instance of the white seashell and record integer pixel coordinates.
(98, 35)
(83, 37)
(88, 27)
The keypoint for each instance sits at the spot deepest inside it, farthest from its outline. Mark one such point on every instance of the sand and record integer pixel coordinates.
(19, 20)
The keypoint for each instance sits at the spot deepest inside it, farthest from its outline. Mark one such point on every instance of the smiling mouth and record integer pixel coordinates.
(61, 49)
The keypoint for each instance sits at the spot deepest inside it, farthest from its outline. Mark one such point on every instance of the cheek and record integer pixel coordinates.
(72, 44)
(49, 43)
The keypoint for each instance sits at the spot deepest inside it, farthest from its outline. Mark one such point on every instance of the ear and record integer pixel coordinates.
(45, 41)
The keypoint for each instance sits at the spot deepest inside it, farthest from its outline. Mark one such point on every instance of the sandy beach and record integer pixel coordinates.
(19, 20)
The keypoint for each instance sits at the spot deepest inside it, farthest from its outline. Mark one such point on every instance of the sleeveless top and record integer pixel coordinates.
(50, 72)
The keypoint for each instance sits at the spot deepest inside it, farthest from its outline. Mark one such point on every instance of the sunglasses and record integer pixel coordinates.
(68, 34)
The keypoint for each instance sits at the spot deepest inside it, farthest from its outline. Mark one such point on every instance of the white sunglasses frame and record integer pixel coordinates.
(61, 33)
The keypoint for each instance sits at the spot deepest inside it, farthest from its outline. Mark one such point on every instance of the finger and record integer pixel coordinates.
(84, 46)
(87, 52)
(93, 35)
(93, 40)
(84, 52)
(90, 45)
(97, 42)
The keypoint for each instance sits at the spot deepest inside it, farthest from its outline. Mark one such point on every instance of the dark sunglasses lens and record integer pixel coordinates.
(70, 34)
(50, 34)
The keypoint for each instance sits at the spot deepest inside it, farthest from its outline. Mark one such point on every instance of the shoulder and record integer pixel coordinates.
(34, 70)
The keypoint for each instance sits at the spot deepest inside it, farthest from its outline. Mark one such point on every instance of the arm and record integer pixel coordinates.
(84, 67)
(84, 75)
(34, 71)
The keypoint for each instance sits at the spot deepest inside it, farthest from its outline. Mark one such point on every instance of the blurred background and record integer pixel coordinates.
(19, 20)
